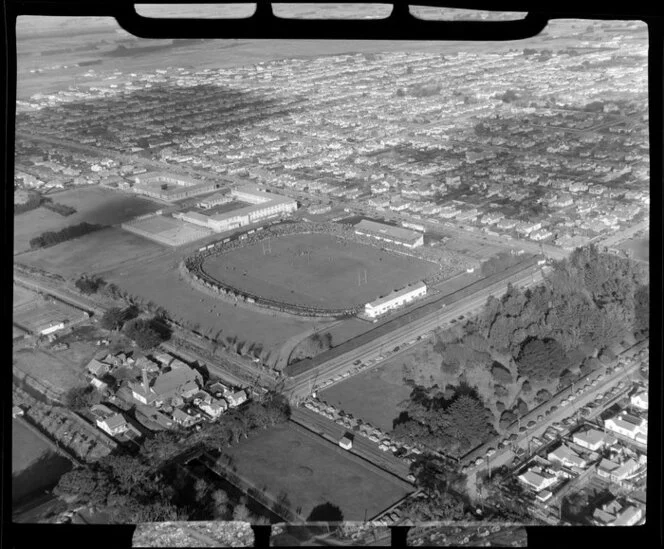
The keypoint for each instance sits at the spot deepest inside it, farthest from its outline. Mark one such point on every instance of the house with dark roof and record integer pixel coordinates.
(181, 382)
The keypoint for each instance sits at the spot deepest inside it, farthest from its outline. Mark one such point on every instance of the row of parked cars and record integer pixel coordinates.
(406, 452)
(360, 365)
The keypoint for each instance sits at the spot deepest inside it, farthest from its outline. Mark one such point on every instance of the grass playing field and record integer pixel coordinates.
(318, 270)
(313, 472)
(93, 204)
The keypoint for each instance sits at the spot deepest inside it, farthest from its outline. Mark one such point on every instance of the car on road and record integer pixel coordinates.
(490, 452)
(357, 362)
(396, 349)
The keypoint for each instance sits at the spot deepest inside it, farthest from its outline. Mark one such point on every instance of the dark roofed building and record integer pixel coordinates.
(389, 233)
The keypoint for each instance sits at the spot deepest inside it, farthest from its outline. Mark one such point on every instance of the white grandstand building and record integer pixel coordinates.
(264, 205)
(396, 299)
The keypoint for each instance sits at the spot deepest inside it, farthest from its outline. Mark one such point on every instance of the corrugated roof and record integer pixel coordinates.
(397, 233)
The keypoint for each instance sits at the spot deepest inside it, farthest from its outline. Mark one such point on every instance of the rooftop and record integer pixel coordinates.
(397, 233)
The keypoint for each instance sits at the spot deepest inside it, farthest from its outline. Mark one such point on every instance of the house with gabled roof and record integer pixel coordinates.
(538, 479)
(565, 455)
(591, 439)
(98, 368)
(181, 382)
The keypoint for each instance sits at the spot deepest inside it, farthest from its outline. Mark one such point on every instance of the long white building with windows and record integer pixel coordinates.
(395, 300)
(263, 205)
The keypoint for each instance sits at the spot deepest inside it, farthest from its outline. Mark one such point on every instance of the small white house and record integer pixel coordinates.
(640, 400)
(346, 443)
(114, 424)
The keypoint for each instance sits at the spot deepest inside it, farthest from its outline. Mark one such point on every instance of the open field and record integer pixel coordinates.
(93, 205)
(313, 472)
(23, 296)
(374, 396)
(35, 465)
(158, 279)
(57, 374)
(93, 253)
(167, 230)
(316, 270)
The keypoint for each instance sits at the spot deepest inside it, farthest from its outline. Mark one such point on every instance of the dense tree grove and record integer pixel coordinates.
(89, 285)
(541, 360)
(455, 425)
(50, 238)
(441, 507)
(591, 297)
(33, 202)
(147, 333)
(58, 208)
(531, 343)
(81, 398)
(127, 489)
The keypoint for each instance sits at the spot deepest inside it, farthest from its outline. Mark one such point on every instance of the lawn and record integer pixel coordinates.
(57, 373)
(23, 296)
(318, 270)
(93, 253)
(312, 472)
(159, 280)
(93, 205)
(374, 396)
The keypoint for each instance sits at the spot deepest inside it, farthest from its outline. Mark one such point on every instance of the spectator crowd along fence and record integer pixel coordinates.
(193, 264)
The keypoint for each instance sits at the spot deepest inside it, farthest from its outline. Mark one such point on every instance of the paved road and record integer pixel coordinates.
(302, 385)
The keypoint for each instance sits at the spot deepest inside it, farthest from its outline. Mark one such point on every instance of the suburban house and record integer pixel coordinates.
(640, 400)
(214, 408)
(592, 439)
(538, 479)
(98, 368)
(616, 514)
(183, 418)
(235, 399)
(627, 425)
(109, 421)
(617, 472)
(565, 455)
(181, 382)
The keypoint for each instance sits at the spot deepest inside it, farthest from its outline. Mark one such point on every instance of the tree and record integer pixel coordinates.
(81, 398)
(88, 285)
(220, 504)
(443, 507)
(500, 373)
(146, 333)
(241, 513)
(542, 396)
(85, 485)
(112, 319)
(507, 418)
(642, 308)
(541, 360)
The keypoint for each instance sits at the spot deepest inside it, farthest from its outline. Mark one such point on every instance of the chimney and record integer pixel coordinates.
(146, 385)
